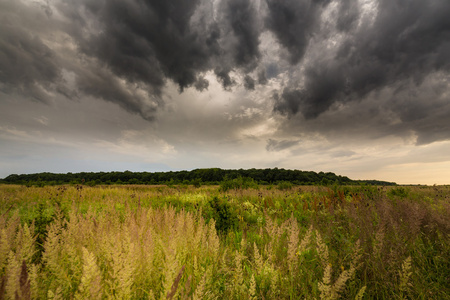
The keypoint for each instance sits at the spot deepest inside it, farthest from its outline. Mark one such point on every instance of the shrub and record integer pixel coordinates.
(223, 214)
(197, 182)
(238, 183)
(285, 185)
(400, 192)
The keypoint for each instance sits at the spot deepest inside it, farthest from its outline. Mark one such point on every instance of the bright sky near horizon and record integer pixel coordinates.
(356, 87)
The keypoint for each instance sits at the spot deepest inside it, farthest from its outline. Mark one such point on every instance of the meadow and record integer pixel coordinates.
(219, 242)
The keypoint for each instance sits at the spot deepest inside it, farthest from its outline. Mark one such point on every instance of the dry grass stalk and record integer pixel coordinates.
(252, 288)
(33, 274)
(292, 244)
(329, 290)
(2, 287)
(325, 285)
(187, 288)
(259, 263)
(170, 268)
(55, 295)
(213, 239)
(305, 241)
(378, 242)
(238, 271)
(199, 291)
(4, 248)
(405, 274)
(24, 291)
(13, 270)
(322, 250)
(90, 287)
(274, 284)
(360, 294)
(174, 288)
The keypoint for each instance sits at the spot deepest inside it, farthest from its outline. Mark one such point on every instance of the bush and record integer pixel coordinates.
(285, 185)
(197, 182)
(223, 214)
(400, 192)
(238, 183)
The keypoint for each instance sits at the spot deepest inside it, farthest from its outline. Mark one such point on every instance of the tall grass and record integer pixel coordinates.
(136, 242)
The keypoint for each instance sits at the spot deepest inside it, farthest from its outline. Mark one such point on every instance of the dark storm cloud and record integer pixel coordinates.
(201, 84)
(249, 83)
(101, 84)
(293, 22)
(241, 16)
(262, 79)
(348, 15)
(407, 43)
(126, 51)
(27, 65)
(288, 102)
(324, 85)
(425, 112)
(223, 76)
(152, 40)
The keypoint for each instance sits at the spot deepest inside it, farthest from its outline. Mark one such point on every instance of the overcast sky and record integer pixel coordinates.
(356, 87)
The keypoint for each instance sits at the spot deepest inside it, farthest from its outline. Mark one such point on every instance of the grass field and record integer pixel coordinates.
(266, 242)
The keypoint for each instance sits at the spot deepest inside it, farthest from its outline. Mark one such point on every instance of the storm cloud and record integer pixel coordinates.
(397, 46)
(27, 65)
(146, 43)
(269, 70)
(293, 23)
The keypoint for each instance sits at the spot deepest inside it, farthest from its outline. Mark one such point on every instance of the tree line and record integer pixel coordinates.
(195, 177)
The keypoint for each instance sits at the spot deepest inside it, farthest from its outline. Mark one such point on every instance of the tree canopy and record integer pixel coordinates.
(197, 176)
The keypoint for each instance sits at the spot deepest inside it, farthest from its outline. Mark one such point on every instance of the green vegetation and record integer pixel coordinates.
(233, 178)
(233, 241)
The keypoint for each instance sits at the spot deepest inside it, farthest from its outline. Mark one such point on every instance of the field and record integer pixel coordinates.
(210, 242)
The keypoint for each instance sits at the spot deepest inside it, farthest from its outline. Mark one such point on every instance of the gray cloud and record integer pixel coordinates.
(343, 153)
(275, 145)
(201, 84)
(262, 79)
(102, 84)
(399, 50)
(242, 18)
(404, 42)
(249, 83)
(348, 15)
(293, 22)
(151, 41)
(327, 60)
(27, 65)
(223, 76)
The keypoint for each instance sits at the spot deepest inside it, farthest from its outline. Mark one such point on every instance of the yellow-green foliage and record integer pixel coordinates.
(331, 290)
(143, 242)
(90, 286)
(405, 274)
(90, 256)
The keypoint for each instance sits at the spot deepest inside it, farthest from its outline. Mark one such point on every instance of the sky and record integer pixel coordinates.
(356, 87)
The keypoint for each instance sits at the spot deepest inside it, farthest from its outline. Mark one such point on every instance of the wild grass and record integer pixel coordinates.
(157, 242)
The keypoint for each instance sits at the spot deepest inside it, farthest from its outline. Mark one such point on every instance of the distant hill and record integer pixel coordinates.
(197, 176)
